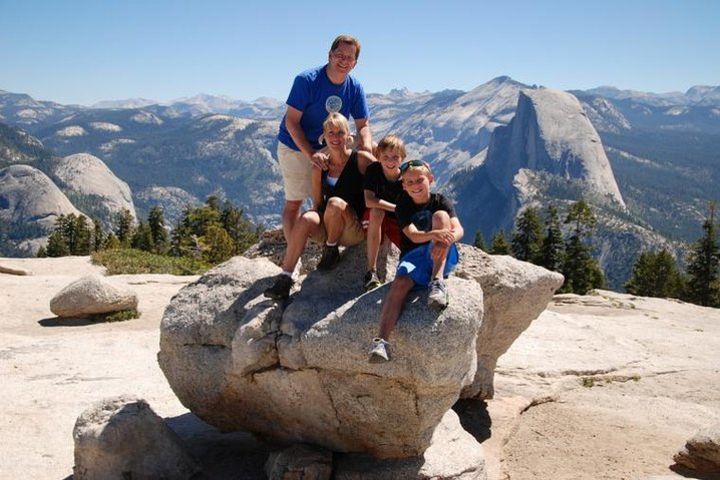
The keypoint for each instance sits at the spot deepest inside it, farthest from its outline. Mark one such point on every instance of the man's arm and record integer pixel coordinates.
(292, 123)
(364, 135)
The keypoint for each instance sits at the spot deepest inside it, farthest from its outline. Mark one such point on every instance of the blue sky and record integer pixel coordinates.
(85, 51)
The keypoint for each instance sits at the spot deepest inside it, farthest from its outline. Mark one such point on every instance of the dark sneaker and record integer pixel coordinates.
(379, 351)
(371, 280)
(438, 297)
(280, 289)
(330, 257)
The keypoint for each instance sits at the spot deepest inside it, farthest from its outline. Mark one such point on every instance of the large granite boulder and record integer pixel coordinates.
(301, 373)
(515, 294)
(122, 437)
(92, 295)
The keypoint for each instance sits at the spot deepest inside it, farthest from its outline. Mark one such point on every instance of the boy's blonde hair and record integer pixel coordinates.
(392, 142)
(346, 39)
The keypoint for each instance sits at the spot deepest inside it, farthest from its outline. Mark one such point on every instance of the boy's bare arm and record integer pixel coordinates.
(372, 201)
(445, 236)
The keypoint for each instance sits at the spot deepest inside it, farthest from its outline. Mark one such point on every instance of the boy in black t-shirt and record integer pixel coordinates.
(383, 188)
(428, 253)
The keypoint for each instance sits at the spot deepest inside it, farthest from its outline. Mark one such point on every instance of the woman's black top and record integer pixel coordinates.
(349, 186)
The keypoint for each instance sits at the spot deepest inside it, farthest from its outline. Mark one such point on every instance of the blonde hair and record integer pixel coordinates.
(392, 142)
(336, 120)
(349, 40)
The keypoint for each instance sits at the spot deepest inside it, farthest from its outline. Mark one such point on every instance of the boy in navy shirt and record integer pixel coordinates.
(428, 253)
(383, 188)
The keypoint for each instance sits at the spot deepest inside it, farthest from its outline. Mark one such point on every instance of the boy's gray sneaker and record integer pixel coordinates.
(438, 297)
(379, 350)
(330, 257)
(371, 280)
(280, 289)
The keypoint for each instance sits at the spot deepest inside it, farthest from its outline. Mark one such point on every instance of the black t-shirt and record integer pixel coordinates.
(420, 215)
(349, 186)
(383, 188)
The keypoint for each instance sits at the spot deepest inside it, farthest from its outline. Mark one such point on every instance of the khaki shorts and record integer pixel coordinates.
(296, 171)
(353, 234)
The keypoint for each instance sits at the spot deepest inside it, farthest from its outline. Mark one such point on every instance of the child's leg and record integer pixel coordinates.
(374, 232)
(393, 304)
(303, 228)
(440, 220)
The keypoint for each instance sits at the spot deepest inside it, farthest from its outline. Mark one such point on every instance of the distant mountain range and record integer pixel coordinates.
(648, 162)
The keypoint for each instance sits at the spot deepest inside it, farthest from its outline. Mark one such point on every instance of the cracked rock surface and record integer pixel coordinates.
(300, 373)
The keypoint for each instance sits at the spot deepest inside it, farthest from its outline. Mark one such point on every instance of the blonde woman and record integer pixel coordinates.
(338, 205)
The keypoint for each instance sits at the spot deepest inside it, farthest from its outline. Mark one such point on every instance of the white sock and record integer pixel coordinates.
(289, 274)
(330, 244)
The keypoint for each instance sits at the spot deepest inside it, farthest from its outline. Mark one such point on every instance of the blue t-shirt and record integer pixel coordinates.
(316, 96)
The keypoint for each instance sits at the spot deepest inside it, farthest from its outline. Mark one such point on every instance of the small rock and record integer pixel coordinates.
(702, 451)
(14, 271)
(299, 462)
(121, 438)
(92, 295)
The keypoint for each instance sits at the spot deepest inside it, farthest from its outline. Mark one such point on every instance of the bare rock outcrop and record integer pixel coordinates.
(240, 362)
(300, 373)
(515, 294)
(87, 175)
(702, 451)
(30, 203)
(122, 437)
(92, 295)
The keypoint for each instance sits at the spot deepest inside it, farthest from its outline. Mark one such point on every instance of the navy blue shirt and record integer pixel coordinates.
(419, 215)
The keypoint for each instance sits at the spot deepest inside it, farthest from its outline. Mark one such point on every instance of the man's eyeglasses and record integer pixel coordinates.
(342, 57)
(413, 163)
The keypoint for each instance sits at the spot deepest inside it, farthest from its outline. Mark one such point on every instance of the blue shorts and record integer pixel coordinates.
(417, 264)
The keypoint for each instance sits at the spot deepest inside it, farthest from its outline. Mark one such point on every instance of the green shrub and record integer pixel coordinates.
(119, 261)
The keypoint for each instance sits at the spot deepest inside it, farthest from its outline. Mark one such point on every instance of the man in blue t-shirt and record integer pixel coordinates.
(314, 95)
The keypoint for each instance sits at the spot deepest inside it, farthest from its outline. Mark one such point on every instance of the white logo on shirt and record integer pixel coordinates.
(333, 104)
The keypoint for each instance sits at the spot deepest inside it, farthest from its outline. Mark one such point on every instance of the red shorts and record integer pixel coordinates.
(389, 227)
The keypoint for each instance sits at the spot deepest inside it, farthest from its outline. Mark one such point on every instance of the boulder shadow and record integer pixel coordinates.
(474, 418)
(687, 473)
(66, 322)
(224, 456)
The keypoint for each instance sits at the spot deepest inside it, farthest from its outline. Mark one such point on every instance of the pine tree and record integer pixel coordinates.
(480, 241)
(56, 246)
(142, 238)
(83, 237)
(124, 227)
(239, 229)
(655, 275)
(42, 252)
(582, 272)
(217, 245)
(156, 223)
(704, 266)
(527, 239)
(499, 245)
(98, 237)
(552, 250)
